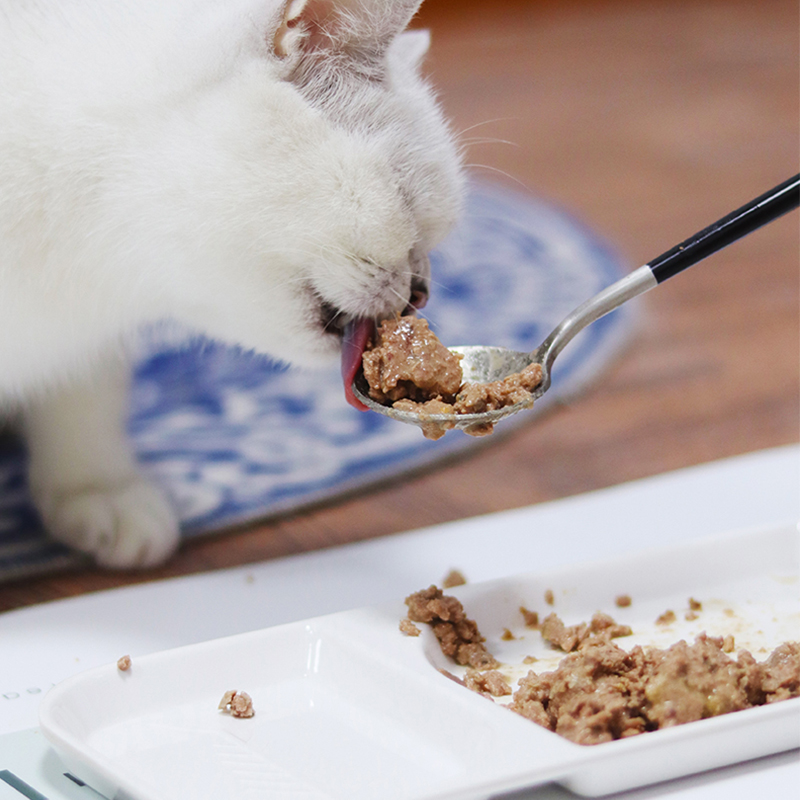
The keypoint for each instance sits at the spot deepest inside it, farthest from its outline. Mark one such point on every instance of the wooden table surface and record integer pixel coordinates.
(648, 120)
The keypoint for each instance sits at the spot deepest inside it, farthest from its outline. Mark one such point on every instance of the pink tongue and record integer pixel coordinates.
(356, 335)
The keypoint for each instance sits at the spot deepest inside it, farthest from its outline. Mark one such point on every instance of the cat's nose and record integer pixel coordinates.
(419, 293)
(420, 279)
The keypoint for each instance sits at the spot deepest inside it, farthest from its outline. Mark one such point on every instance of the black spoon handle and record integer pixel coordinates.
(769, 206)
(763, 209)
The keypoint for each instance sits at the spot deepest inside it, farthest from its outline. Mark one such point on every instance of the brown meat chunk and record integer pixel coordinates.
(458, 635)
(602, 626)
(237, 704)
(492, 682)
(622, 600)
(531, 617)
(475, 398)
(453, 578)
(782, 673)
(592, 697)
(409, 628)
(687, 683)
(408, 361)
(431, 429)
(777, 678)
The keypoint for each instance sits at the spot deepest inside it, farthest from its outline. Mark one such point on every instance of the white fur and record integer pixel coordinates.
(226, 164)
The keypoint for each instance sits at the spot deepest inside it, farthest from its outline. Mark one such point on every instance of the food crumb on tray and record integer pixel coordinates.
(409, 628)
(453, 578)
(667, 618)
(531, 617)
(568, 638)
(600, 692)
(124, 663)
(622, 601)
(237, 704)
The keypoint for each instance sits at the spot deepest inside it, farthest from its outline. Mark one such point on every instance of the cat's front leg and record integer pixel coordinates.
(84, 479)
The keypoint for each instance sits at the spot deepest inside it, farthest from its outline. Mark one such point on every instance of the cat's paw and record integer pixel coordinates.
(125, 527)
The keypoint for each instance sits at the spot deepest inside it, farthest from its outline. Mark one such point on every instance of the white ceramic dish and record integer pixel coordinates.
(347, 707)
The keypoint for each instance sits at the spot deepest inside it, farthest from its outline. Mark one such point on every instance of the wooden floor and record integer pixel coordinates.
(648, 120)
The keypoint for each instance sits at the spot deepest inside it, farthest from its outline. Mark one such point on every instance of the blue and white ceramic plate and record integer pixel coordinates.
(235, 438)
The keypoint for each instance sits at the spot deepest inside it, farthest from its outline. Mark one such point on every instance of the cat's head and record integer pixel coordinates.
(362, 175)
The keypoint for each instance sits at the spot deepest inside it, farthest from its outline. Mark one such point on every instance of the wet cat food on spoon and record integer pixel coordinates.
(406, 367)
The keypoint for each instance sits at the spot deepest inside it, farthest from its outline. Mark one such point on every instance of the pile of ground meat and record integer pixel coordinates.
(407, 367)
(600, 692)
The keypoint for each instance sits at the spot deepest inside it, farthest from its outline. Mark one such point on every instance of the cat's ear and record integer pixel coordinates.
(361, 29)
(409, 48)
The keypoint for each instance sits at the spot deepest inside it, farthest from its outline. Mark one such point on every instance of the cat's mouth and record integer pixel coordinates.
(355, 338)
(355, 334)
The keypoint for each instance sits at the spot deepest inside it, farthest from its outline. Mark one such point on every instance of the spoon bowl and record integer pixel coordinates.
(478, 365)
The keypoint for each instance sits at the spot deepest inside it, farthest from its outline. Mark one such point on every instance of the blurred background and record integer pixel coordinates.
(646, 121)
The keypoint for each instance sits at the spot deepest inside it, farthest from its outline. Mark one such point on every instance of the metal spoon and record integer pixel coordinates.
(484, 364)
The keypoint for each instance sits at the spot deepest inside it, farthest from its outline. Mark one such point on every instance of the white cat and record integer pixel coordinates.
(258, 171)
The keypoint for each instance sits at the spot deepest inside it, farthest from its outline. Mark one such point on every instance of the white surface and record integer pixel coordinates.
(44, 644)
(27, 755)
(345, 703)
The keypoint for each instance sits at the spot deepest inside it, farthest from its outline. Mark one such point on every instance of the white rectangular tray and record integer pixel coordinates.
(348, 707)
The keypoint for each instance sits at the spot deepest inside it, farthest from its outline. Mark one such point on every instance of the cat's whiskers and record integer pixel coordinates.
(429, 278)
(498, 171)
(419, 312)
(334, 322)
(486, 122)
(487, 140)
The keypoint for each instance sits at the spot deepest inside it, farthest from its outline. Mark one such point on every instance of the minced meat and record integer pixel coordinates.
(600, 692)
(237, 704)
(458, 635)
(407, 367)
(475, 398)
(602, 626)
(491, 682)
(407, 361)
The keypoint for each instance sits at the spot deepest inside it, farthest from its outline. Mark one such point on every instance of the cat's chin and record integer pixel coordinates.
(313, 348)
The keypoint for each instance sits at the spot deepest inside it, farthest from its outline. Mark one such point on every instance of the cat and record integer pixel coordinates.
(262, 172)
